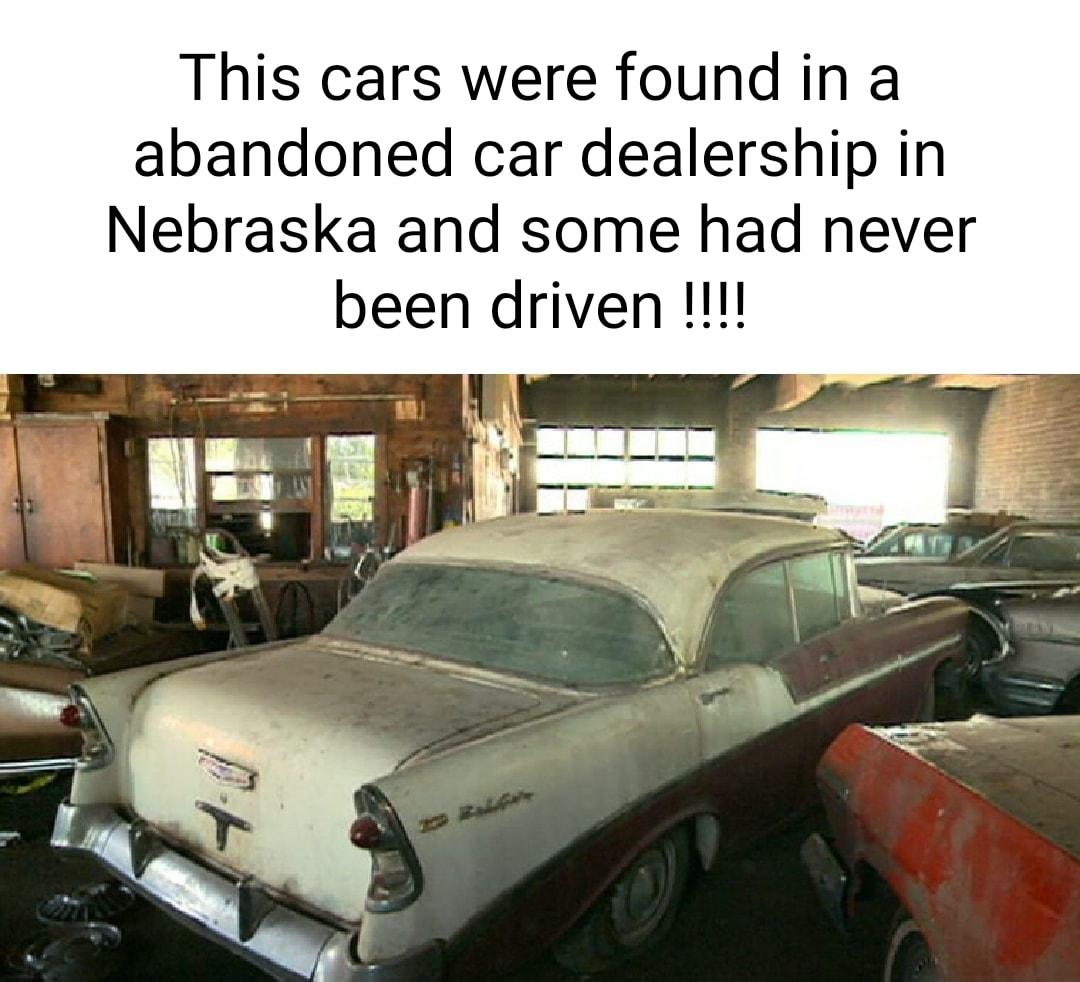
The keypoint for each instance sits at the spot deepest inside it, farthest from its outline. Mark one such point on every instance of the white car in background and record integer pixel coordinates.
(519, 736)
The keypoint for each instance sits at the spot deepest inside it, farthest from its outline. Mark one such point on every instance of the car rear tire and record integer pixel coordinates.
(635, 912)
(908, 957)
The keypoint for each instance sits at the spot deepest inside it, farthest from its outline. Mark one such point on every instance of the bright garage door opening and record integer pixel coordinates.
(870, 479)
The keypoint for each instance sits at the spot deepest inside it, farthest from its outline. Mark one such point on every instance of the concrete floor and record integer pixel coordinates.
(754, 919)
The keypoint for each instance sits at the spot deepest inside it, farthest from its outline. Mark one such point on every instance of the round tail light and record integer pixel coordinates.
(365, 832)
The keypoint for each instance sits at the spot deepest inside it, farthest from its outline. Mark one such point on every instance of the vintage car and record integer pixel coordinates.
(521, 734)
(972, 829)
(1029, 638)
(40, 661)
(938, 541)
(1020, 552)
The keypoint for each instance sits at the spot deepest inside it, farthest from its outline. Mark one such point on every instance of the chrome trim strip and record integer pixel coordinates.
(1029, 683)
(12, 767)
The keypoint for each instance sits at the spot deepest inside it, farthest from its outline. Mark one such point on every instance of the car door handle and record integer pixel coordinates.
(707, 698)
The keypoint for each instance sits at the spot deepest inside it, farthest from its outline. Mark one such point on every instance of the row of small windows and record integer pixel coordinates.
(571, 460)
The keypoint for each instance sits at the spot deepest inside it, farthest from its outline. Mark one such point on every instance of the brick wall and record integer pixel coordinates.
(1028, 457)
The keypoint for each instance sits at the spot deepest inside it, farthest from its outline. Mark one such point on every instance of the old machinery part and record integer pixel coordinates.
(81, 953)
(86, 904)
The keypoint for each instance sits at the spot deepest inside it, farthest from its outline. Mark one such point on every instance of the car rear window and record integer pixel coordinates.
(550, 628)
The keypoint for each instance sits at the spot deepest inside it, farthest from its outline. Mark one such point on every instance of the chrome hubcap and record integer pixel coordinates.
(642, 895)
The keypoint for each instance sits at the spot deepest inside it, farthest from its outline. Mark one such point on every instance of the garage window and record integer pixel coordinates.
(570, 460)
(350, 493)
(273, 493)
(172, 486)
(870, 479)
(259, 488)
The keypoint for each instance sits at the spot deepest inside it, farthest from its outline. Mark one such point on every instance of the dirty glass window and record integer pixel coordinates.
(571, 460)
(1046, 550)
(964, 542)
(172, 483)
(817, 592)
(258, 468)
(350, 493)
(753, 621)
(548, 628)
(842, 577)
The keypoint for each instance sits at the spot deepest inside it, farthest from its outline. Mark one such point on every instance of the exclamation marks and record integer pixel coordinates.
(705, 292)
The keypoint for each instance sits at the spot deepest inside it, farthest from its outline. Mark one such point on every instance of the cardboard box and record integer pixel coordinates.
(141, 609)
(137, 580)
(68, 603)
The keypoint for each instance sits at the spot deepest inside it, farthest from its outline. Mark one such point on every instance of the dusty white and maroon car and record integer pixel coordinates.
(521, 735)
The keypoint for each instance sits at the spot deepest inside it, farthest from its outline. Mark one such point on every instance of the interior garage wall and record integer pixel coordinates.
(1028, 458)
(439, 420)
(737, 413)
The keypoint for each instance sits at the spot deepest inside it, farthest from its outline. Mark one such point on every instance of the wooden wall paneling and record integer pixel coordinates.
(12, 540)
(318, 498)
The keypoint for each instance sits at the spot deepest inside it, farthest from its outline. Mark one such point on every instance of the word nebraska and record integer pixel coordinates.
(201, 233)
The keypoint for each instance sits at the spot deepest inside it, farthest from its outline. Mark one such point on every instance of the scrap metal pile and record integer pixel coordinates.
(26, 640)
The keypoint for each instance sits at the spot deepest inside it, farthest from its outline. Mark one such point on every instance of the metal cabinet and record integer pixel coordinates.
(63, 481)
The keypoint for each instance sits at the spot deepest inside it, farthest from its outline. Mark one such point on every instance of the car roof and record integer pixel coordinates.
(674, 560)
(992, 541)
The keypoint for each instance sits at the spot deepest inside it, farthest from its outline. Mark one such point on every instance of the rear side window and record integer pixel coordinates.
(753, 621)
(939, 544)
(964, 542)
(1046, 551)
(819, 584)
(914, 544)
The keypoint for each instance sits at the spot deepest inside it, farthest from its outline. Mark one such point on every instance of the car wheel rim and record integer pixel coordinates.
(643, 894)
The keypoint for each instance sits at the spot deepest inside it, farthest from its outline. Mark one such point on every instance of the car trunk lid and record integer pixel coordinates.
(253, 762)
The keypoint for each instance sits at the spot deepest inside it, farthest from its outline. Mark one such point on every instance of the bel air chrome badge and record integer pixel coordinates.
(226, 772)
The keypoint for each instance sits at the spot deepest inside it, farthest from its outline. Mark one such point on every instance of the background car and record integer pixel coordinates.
(1028, 643)
(521, 734)
(935, 540)
(973, 830)
(1021, 552)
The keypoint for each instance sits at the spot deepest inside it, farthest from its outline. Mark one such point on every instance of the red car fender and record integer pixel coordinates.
(996, 901)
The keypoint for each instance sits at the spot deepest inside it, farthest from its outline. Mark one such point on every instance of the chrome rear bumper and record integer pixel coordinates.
(281, 941)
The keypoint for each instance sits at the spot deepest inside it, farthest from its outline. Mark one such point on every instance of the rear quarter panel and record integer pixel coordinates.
(485, 819)
(885, 664)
